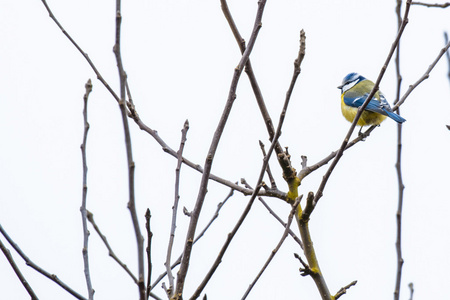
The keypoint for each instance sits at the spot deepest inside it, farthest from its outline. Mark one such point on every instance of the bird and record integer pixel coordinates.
(354, 91)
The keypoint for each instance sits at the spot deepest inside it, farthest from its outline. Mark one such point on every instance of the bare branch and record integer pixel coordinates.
(398, 166)
(411, 290)
(31, 264)
(274, 251)
(148, 250)
(273, 184)
(343, 290)
(424, 76)
(16, 269)
(85, 55)
(131, 165)
(175, 209)
(90, 217)
(88, 87)
(443, 5)
(447, 54)
(306, 270)
(291, 233)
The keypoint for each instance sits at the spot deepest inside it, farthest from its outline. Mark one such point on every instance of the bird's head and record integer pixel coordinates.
(350, 81)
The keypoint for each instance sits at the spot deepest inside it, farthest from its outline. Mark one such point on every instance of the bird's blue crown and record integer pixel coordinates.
(352, 77)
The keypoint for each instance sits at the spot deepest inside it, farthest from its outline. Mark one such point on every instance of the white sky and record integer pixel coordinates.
(179, 57)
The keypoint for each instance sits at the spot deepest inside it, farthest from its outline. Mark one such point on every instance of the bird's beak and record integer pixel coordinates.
(340, 87)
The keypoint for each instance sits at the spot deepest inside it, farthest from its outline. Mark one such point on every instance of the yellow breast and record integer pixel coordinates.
(367, 118)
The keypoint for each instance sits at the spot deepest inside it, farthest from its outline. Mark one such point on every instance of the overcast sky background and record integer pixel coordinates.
(180, 57)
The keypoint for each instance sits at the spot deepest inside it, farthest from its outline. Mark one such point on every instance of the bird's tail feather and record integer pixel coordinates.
(395, 117)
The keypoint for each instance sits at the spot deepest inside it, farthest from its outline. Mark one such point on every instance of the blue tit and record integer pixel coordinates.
(355, 89)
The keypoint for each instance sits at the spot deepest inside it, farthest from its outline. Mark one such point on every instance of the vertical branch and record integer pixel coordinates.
(175, 208)
(149, 250)
(398, 166)
(16, 269)
(83, 210)
(447, 54)
(211, 153)
(131, 165)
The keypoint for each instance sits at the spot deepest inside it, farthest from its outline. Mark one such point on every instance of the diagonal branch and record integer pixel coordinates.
(31, 264)
(16, 269)
(424, 76)
(90, 217)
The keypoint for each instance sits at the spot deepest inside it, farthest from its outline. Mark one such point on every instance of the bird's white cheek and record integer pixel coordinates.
(348, 86)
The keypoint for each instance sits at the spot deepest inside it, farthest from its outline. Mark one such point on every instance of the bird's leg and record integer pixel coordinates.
(360, 131)
(362, 134)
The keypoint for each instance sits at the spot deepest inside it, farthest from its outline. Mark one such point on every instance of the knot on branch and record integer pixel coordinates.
(289, 172)
(289, 175)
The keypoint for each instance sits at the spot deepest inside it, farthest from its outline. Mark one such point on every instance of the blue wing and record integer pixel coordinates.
(380, 106)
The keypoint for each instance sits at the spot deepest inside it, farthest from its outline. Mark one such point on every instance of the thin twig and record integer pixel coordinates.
(85, 55)
(343, 290)
(87, 274)
(273, 184)
(211, 153)
(401, 187)
(16, 269)
(306, 270)
(275, 250)
(338, 156)
(90, 217)
(426, 75)
(447, 54)
(443, 5)
(175, 210)
(291, 233)
(129, 153)
(31, 264)
(411, 290)
(148, 215)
